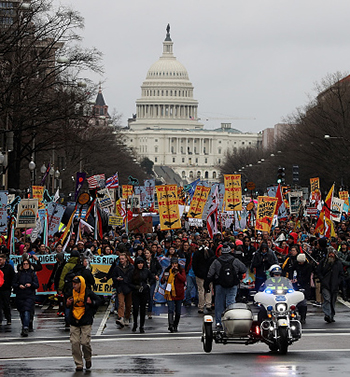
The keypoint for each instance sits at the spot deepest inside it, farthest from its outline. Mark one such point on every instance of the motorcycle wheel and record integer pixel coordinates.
(282, 340)
(207, 337)
(273, 347)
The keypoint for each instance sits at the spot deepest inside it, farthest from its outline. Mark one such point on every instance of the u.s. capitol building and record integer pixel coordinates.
(166, 128)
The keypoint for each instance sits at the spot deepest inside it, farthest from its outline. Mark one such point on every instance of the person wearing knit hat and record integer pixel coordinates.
(226, 273)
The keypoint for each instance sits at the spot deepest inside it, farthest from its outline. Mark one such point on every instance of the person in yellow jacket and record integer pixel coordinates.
(83, 306)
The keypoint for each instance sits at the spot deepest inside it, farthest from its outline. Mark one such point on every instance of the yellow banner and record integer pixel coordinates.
(233, 192)
(38, 193)
(169, 215)
(199, 199)
(314, 184)
(265, 213)
(127, 191)
(344, 195)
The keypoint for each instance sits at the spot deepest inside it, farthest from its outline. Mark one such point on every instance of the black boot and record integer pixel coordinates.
(134, 327)
(176, 322)
(171, 322)
(302, 312)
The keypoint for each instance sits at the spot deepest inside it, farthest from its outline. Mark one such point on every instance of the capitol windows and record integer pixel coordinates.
(242, 142)
(191, 174)
(155, 159)
(219, 150)
(206, 175)
(183, 174)
(205, 160)
(166, 93)
(214, 174)
(162, 92)
(171, 92)
(219, 161)
(196, 160)
(173, 159)
(156, 149)
(183, 160)
(156, 140)
(198, 174)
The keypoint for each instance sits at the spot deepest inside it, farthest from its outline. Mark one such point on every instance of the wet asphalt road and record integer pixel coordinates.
(323, 350)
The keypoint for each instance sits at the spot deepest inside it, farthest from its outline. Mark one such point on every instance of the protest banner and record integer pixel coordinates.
(127, 190)
(38, 193)
(168, 207)
(295, 201)
(115, 221)
(55, 213)
(3, 211)
(233, 192)
(104, 198)
(27, 211)
(199, 199)
(265, 212)
(337, 209)
(344, 195)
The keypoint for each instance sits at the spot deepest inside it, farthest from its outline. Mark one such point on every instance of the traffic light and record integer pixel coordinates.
(281, 175)
(296, 174)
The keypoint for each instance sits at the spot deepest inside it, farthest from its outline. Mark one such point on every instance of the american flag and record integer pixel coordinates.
(113, 182)
(97, 181)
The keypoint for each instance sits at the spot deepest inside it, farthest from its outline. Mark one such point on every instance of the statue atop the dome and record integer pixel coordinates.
(168, 29)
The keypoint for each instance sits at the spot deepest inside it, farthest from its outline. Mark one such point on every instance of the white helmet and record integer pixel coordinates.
(275, 269)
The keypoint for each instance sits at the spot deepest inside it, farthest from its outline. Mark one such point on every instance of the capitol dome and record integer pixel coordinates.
(167, 94)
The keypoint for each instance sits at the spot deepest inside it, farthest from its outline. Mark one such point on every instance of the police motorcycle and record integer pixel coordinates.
(274, 321)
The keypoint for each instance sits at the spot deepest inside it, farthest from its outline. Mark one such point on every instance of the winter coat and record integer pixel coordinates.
(155, 267)
(80, 270)
(289, 266)
(262, 262)
(141, 281)
(90, 310)
(9, 274)
(56, 275)
(72, 262)
(330, 275)
(214, 270)
(123, 286)
(201, 261)
(247, 254)
(25, 298)
(180, 281)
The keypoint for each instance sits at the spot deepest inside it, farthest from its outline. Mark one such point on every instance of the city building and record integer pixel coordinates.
(166, 128)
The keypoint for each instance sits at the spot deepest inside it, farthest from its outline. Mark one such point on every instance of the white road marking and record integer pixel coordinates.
(165, 354)
(104, 319)
(346, 303)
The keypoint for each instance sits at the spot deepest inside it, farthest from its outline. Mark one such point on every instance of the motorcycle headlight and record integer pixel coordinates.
(281, 307)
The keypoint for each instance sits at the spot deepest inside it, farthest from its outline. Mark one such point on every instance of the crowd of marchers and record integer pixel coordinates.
(315, 264)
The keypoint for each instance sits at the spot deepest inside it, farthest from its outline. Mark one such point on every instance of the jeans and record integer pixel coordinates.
(191, 285)
(223, 298)
(25, 319)
(150, 300)
(174, 306)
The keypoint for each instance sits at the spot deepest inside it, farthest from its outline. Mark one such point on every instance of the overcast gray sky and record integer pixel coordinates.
(246, 59)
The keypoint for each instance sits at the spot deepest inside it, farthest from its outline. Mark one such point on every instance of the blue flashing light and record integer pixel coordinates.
(290, 290)
(268, 291)
(269, 308)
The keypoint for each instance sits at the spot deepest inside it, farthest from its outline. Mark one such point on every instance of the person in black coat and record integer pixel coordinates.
(24, 284)
(55, 280)
(330, 272)
(201, 261)
(262, 260)
(5, 289)
(154, 266)
(141, 280)
(82, 307)
(122, 282)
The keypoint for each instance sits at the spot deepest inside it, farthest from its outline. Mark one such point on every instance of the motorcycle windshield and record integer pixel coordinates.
(277, 285)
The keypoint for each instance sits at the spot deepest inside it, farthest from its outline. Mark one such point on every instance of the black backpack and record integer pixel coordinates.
(68, 282)
(227, 275)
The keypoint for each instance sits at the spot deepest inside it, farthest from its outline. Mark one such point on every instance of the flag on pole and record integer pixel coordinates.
(324, 224)
(212, 219)
(112, 182)
(281, 211)
(96, 181)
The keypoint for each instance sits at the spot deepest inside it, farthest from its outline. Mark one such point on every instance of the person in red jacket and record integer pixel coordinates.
(175, 278)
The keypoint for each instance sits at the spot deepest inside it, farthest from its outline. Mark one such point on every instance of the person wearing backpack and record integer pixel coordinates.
(65, 285)
(226, 272)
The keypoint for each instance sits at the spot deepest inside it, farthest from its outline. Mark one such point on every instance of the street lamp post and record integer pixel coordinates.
(32, 167)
